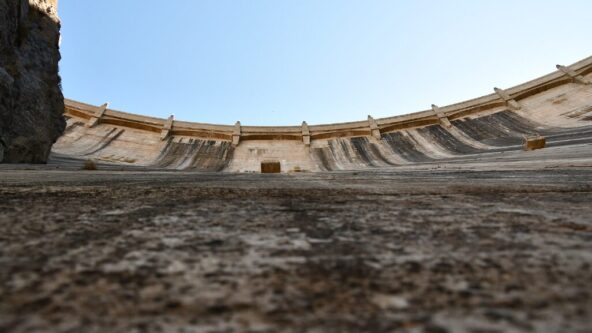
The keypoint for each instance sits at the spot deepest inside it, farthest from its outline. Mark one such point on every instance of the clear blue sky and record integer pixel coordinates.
(281, 62)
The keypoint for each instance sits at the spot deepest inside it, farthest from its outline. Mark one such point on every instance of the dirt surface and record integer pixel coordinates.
(423, 251)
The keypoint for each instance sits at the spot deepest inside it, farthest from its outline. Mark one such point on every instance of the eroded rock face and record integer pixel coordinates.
(31, 101)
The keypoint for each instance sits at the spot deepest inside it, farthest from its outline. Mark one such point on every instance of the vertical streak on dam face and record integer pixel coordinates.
(204, 155)
(499, 129)
(323, 159)
(405, 147)
(351, 153)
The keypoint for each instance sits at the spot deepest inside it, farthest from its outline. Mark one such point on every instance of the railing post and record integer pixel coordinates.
(236, 134)
(510, 102)
(441, 116)
(305, 134)
(573, 75)
(95, 118)
(167, 128)
(374, 130)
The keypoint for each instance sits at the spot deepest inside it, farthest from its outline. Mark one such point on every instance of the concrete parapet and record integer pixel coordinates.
(573, 75)
(510, 102)
(96, 117)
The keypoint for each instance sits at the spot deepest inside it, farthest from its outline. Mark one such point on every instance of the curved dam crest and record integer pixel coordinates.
(557, 106)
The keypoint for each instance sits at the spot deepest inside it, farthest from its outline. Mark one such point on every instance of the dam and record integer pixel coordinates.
(557, 106)
(470, 218)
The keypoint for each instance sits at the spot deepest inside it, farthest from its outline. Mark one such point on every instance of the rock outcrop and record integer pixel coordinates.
(31, 101)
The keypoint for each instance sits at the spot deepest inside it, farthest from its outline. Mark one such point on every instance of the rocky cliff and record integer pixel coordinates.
(31, 101)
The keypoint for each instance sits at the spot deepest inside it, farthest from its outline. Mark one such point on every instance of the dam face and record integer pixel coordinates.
(557, 106)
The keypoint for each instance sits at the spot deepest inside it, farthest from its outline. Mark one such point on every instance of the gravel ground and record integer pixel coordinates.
(407, 251)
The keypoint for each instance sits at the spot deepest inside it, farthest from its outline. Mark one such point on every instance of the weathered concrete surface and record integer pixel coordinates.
(31, 101)
(501, 246)
(553, 106)
(292, 155)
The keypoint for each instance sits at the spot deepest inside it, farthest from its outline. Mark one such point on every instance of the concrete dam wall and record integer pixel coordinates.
(557, 106)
